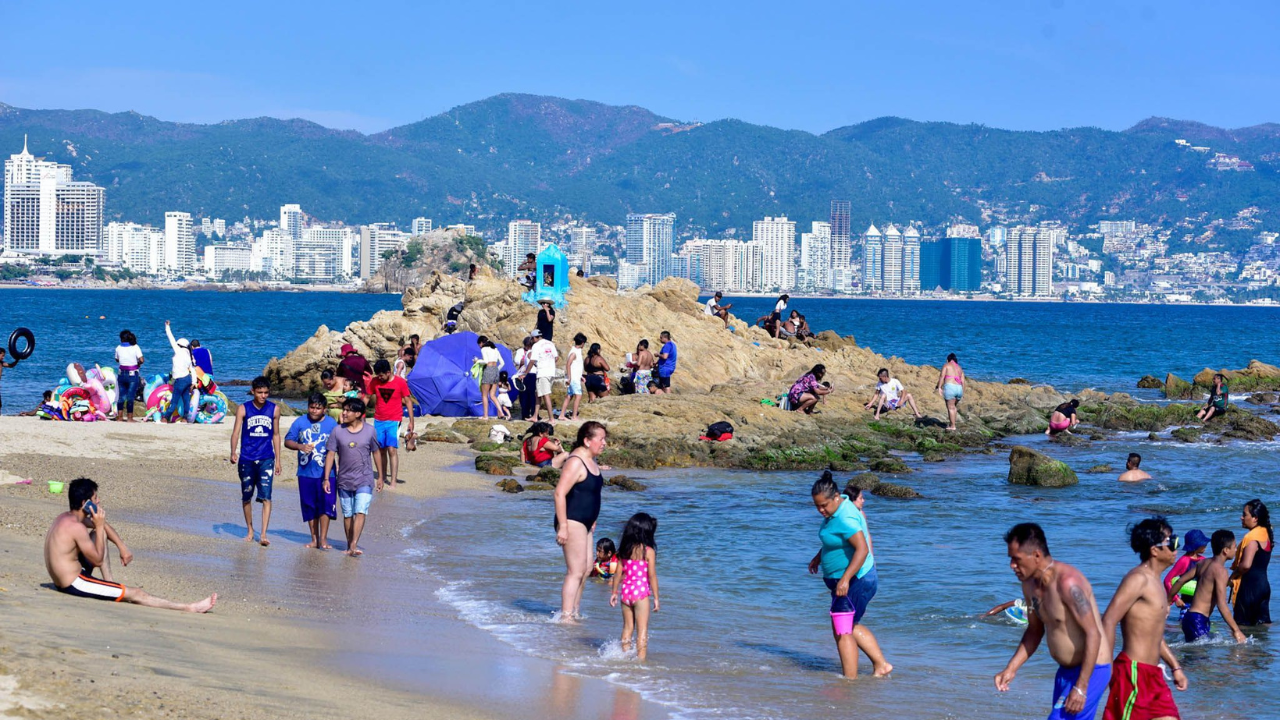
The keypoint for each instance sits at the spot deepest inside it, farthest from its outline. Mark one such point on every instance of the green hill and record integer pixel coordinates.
(527, 156)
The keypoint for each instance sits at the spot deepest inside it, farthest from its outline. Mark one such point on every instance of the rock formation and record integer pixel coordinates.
(1028, 467)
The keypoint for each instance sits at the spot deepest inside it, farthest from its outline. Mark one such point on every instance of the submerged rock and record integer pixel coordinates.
(894, 490)
(1100, 469)
(933, 457)
(1150, 382)
(1018, 381)
(890, 465)
(1028, 467)
(1070, 440)
(1240, 424)
(622, 482)
(1187, 434)
(509, 485)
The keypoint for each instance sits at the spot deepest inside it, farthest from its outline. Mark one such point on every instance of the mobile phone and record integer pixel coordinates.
(90, 508)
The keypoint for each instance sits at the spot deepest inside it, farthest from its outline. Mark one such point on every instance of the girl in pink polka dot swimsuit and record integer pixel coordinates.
(638, 581)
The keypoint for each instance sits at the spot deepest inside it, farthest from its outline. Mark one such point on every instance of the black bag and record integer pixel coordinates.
(718, 429)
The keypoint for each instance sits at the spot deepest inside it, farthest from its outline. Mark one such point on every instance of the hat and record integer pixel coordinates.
(1194, 540)
(347, 349)
(536, 333)
(547, 301)
(182, 342)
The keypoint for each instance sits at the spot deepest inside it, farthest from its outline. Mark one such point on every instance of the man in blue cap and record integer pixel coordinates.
(1193, 545)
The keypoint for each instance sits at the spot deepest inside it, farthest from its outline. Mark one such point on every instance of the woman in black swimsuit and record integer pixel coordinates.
(597, 369)
(577, 500)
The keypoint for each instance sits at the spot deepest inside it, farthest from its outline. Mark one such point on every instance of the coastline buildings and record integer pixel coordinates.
(649, 242)
(140, 248)
(179, 254)
(420, 226)
(46, 212)
(228, 257)
(582, 247)
(523, 237)
(872, 259)
(323, 254)
(1029, 259)
(891, 260)
(841, 239)
(376, 239)
(816, 248)
(777, 240)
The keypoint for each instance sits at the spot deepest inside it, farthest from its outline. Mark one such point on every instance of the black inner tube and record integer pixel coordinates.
(29, 347)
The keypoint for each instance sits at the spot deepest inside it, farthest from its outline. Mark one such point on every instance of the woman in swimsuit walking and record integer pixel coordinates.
(637, 582)
(951, 387)
(1250, 589)
(597, 378)
(577, 500)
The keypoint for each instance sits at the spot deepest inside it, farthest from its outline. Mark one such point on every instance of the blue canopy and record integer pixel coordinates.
(441, 378)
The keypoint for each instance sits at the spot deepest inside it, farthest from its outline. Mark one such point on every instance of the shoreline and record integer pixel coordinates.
(288, 619)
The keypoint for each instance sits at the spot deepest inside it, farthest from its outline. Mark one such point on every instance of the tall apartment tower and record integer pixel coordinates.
(1029, 261)
(292, 220)
(649, 242)
(46, 212)
(777, 240)
(891, 270)
(582, 245)
(815, 258)
(841, 240)
(420, 226)
(179, 244)
(911, 262)
(872, 259)
(523, 237)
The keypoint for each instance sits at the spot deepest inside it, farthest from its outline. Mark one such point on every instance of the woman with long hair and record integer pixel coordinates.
(129, 380)
(1063, 418)
(1250, 589)
(577, 501)
(809, 389)
(597, 377)
(489, 376)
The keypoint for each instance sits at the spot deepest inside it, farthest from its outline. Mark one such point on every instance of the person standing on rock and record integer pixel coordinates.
(1061, 609)
(951, 387)
(597, 377)
(545, 356)
(526, 379)
(849, 572)
(573, 368)
(547, 319)
(666, 361)
(354, 367)
(577, 502)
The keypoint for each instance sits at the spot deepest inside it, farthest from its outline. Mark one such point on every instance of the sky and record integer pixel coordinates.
(815, 66)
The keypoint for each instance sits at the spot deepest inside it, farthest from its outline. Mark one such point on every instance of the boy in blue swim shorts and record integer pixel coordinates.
(255, 451)
(392, 400)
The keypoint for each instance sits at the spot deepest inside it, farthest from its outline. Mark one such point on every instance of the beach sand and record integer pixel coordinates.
(271, 648)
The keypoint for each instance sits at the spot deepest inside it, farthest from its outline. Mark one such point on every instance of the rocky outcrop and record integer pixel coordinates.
(1175, 388)
(1256, 376)
(1150, 382)
(1028, 467)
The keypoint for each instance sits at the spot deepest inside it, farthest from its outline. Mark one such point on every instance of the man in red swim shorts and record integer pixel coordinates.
(1140, 606)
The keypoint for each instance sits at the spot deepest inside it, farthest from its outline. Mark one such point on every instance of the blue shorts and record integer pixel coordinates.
(1194, 626)
(1066, 679)
(387, 432)
(355, 502)
(861, 590)
(314, 501)
(256, 475)
(952, 391)
(575, 389)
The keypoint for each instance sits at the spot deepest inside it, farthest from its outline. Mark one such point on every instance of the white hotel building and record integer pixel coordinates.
(46, 212)
(777, 240)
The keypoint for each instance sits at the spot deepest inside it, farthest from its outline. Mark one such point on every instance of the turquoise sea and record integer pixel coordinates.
(744, 631)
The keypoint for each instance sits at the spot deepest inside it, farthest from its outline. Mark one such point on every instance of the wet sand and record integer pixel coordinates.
(296, 632)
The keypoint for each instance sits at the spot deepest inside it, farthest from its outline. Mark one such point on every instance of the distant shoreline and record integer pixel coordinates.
(985, 298)
(202, 288)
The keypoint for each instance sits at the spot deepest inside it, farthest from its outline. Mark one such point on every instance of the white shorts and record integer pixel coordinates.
(544, 386)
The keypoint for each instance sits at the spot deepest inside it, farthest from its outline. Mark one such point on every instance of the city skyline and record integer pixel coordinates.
(1093, 63)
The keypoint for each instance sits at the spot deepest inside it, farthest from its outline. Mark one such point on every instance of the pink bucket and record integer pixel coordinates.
(843, 622)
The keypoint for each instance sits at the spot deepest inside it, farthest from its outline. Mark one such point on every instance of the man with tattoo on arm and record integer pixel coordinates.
(1061, 609)
(1140, 606)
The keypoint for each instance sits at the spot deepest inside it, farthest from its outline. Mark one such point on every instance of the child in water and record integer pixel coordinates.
(504, 395)
(606, 564)
(637, 581)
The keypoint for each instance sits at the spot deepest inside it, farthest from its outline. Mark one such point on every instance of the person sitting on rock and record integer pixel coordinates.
(890, 395)
(1218, 397)
(715, 309)
(529, 268)
(1063, 418)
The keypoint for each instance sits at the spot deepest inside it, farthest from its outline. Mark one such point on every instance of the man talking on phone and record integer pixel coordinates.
(77, 543)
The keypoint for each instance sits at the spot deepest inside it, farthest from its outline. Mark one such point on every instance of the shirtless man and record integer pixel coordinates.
(1060, 608)
(1131, 472)
(1141, 606)
(72, 551)
(1211, 576)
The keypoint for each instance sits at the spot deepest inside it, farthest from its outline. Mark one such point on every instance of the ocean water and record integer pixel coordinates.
(242, 330)
(744, 632)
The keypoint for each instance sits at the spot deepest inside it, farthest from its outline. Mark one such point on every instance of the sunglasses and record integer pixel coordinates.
(1173, 543)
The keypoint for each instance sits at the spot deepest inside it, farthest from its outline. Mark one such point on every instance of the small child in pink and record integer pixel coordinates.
(638, 581)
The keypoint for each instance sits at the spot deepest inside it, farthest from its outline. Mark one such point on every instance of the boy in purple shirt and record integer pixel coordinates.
(353, 448)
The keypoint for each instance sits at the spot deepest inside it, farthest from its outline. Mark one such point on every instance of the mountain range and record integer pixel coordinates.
(514, 155)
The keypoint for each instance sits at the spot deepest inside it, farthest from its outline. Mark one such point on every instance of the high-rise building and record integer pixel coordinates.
(179, 244)
(815, 258)
(965, 263)
(420, 226)
(46, 212)
(911, 262)
(292, 221)
(841, 240)
(935, 263)
(649, 242)
(206, 227)
(872, 259)
(777, 240)
(375, 240)
(228, 257)
(1029, 260)
(220, 227)
(318, 254)
(523, 237)
(891, 270)
(273, 253)
(139, 248)
(582, 247)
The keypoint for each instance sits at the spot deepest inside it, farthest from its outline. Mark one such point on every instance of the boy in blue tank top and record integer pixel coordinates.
(255, 451)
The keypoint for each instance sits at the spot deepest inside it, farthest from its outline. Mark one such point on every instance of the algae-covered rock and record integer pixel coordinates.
(488, 446)
(1263, 398)
(1138, 416)
(889, 465)
(1187, 434)
(442, 435)
(1152, 436)
(1018, 381)
(1150, 382)
(865, 481)
(1028, 467)
(894, 490)
(933, 457)
(1070, 440)
(1240, 424)
(538, 486)
(1175, 388)
(548, 474)
(622, 482)
(509, 485)
(1100, 469)
(496, 464)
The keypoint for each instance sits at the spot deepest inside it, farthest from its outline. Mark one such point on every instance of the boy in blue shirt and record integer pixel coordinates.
(309, 435)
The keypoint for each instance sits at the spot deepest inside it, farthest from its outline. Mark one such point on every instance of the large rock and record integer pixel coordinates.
(1256, 376)
(1175, 388)
(1028, 467)
(1150, 382)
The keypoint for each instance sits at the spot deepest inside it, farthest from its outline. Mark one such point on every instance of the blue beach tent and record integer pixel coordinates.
(441, 378)
(552, 279)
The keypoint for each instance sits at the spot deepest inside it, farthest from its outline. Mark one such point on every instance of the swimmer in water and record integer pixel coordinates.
(606, 564)
(1131, 472)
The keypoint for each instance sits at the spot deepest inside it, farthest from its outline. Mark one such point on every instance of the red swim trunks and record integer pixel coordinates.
(1138, 692)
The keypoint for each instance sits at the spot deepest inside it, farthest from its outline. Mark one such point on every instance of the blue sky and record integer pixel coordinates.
(813, 66)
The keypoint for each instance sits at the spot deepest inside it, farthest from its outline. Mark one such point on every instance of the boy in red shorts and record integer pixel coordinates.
(1140, 606)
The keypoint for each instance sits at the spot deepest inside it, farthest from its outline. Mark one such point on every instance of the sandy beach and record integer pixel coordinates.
(271, 648)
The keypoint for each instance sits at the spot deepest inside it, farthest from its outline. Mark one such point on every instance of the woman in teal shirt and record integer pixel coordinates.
(849, 570)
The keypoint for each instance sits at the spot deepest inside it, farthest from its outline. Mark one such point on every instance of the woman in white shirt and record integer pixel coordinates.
(489, 377)
(129, 379)
(180, 378)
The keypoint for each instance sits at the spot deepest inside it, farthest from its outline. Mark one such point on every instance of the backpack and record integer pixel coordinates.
(718, 431)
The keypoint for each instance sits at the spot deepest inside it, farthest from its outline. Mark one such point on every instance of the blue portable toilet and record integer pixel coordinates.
(551, 279)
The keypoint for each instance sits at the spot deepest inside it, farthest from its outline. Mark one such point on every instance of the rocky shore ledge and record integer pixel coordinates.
(722, 376)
